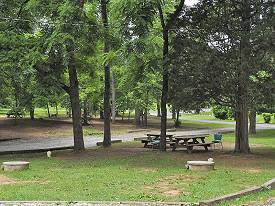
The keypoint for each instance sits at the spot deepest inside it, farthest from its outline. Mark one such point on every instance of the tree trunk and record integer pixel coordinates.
(48, 110)
(164, 97)
(113, 98)
(178, 115)
(32, 113)
(101, 114)
(197, 111)
(85, 112)
(56, 109)
(122, 117)
(158, 109)
(137, 117)
(146, 109)
(129, 115)
(252, 122)
(242, 143)
(75, 104)
(173, 112)
(70, 112)
(107, 107)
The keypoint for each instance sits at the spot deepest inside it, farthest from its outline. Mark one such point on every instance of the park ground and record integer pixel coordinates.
(129, 172)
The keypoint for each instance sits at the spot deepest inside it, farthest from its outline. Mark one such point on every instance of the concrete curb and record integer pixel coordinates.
(35, 150)
(113, 142)
(266, 186)
(90, 203)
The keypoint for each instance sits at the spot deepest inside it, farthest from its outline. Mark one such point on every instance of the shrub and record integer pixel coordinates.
(223, 112)
(267, 117)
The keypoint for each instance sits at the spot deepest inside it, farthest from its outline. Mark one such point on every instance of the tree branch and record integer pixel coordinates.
(175, 15)
(21, 8)
(161, 14)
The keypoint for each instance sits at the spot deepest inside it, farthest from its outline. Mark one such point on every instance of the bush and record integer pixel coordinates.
(267, 117)
(223, 112)
(177, 123)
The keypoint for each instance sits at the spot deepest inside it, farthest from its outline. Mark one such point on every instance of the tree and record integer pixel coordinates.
(166, 26)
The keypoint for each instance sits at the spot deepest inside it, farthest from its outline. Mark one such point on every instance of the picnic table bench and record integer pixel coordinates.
(153, 141)
(14, 114)
(191, 141)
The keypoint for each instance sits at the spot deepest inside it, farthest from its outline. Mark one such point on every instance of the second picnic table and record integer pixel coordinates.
(197, 140)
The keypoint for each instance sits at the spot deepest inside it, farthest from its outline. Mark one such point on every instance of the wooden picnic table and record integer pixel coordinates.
(197, 140)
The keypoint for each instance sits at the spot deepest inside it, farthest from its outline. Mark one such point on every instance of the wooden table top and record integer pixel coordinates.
(158, 135)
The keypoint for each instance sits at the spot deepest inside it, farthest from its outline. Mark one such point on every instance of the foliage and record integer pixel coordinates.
(267, 117)
(223, 112)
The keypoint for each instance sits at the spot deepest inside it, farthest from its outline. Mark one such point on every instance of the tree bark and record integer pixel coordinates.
(173, 112)
(178, 115)
(107, 107)
(56, 109)
(85, 112)
(252, 122)
(113, 98)
(48, 110)
(242, 142)
(129, 115)
(70, 112)
(165, 72)
(32, 113)
(137, 117)
(75, 104)
(158, 109)
(164, 96)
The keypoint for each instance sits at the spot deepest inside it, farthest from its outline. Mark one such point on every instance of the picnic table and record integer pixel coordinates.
(153, 140)
(191, 141)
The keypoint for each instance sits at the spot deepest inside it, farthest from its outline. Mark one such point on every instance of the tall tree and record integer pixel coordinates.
(166, 26)
(107, 77)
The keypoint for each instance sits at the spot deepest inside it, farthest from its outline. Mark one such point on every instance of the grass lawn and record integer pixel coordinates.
(263, 138)
(207, 116)
(200, 125)
(128, 172)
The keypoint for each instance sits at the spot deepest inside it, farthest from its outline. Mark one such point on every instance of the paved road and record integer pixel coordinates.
(36, 144)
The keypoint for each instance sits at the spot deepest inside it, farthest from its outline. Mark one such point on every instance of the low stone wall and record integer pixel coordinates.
(268, 185)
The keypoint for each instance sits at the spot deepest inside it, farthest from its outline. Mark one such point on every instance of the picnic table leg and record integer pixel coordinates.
(145, 144)
(174, 147)
(206, 148)
(189, 149)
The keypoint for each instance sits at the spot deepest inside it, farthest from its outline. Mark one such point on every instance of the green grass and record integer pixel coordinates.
(263, 137)
(3, 111)
(195, 124)
(252, 198)
(125, 173)
(207, 116)
(39, 112)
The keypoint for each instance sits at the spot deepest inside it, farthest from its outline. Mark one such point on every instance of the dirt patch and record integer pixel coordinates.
(148, 169)
(167, 186)
(7, 180)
